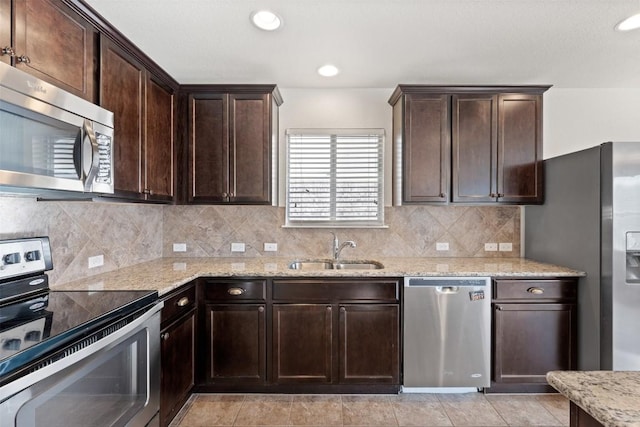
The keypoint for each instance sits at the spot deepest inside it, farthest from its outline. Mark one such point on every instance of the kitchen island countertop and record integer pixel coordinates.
(611, 397)
(166, 274)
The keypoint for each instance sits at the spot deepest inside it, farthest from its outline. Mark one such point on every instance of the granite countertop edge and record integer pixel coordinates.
(167, 274)
(611, 397)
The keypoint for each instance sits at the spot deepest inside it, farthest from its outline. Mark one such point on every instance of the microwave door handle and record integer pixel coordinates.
(94, 162)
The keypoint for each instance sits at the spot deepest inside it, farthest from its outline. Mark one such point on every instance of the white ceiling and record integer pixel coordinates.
(380, 43)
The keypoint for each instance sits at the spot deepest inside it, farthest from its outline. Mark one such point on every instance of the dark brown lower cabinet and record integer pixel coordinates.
(534, 332)
(369, 343)
(177, 353)
(580, 418)
(302, 343)
(236, 350)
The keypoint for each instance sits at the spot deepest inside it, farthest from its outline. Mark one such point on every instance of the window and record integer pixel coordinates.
(334, 178)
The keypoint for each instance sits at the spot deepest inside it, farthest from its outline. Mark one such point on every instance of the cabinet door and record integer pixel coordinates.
(159, 141)
(177, 359)
(302, 343)
(369, 344)
(236, 343)
(426, 151)
(5, 30)
(520, 148)
(250, 148)
(208, 148)
(474, 143)
(59, 44)
(531, 340)
(122, 91)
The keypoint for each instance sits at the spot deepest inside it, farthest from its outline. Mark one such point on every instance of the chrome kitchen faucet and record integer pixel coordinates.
(337, 247)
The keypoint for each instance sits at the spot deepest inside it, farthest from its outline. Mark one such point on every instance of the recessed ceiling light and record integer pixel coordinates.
(266, 20)
(328, 70)
(631, 23)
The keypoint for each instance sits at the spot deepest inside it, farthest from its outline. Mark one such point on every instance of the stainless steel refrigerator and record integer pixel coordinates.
(591, 222)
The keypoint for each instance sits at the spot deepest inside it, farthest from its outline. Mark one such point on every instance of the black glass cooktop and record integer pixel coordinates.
(38, 325)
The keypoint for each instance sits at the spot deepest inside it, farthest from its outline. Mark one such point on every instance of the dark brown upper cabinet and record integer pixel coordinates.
(421, 129)
(233, 141)
(143, 107)
(467, 144)
(49, 40)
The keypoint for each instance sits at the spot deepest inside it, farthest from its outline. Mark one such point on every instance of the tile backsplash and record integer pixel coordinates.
(412, 231)
(127, 234)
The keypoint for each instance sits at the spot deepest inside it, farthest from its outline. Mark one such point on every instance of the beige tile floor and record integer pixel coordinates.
(472, 409)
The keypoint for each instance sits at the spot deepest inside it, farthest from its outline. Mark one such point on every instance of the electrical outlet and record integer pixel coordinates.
(96, 261)
(270, 247)
(442, 246)
(179, 247)
(505, 247)
(237, 247)
(490, 247)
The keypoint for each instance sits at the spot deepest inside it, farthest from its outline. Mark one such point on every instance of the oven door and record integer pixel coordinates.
(111, 382)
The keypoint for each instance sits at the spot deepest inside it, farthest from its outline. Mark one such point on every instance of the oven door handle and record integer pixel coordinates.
(111, 340)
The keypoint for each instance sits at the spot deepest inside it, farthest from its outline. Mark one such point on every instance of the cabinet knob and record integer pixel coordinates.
(260, 309)
(342, 309)
(224, 195)
(232, 194)
(500, 194)
(443, 195)
(24, 59)
(535, 291)
(182, 301)
(164, 336)
(236, 291)
(8, 50)
(499, 307)
(493, 195)
(328, 308)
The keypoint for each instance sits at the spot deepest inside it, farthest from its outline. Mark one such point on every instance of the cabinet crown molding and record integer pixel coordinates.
(401, 89)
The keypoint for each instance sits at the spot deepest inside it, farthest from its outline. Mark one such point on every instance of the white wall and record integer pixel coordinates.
(575, 119)
(336, 108)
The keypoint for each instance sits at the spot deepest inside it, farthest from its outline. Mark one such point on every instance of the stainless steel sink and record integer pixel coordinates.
(311, 265)
(357, 265)
(335, 265)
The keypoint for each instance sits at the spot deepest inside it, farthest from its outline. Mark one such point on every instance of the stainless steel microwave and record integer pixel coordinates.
(51, 139)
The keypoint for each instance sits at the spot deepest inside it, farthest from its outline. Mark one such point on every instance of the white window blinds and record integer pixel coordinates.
(334, 177)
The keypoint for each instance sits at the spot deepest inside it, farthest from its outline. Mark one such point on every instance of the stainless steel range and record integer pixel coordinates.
(73, 358)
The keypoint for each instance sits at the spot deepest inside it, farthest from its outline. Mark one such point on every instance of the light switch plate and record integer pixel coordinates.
(490, 247)
(270, 247)
(179, 247)
(95, 261)
(237, 247)
(505, 247)
(442, 246)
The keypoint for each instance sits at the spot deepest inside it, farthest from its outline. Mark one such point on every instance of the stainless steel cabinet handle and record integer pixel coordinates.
(236, 291)
(24, 59)
(535, 291)
(8, 50)
(165, 336)
(182, 301)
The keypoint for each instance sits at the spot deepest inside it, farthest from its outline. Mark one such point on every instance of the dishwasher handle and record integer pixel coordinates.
(447, 289)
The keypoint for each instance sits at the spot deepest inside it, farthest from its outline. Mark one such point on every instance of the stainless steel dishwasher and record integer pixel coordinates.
(447, 334)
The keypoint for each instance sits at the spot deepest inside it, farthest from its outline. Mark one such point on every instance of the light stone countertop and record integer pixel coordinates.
(166, 274)
(611, 397)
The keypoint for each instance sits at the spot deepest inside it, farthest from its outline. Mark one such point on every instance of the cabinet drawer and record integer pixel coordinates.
(557, 289)
(178, 302)
(336, 290)
(233, 290)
